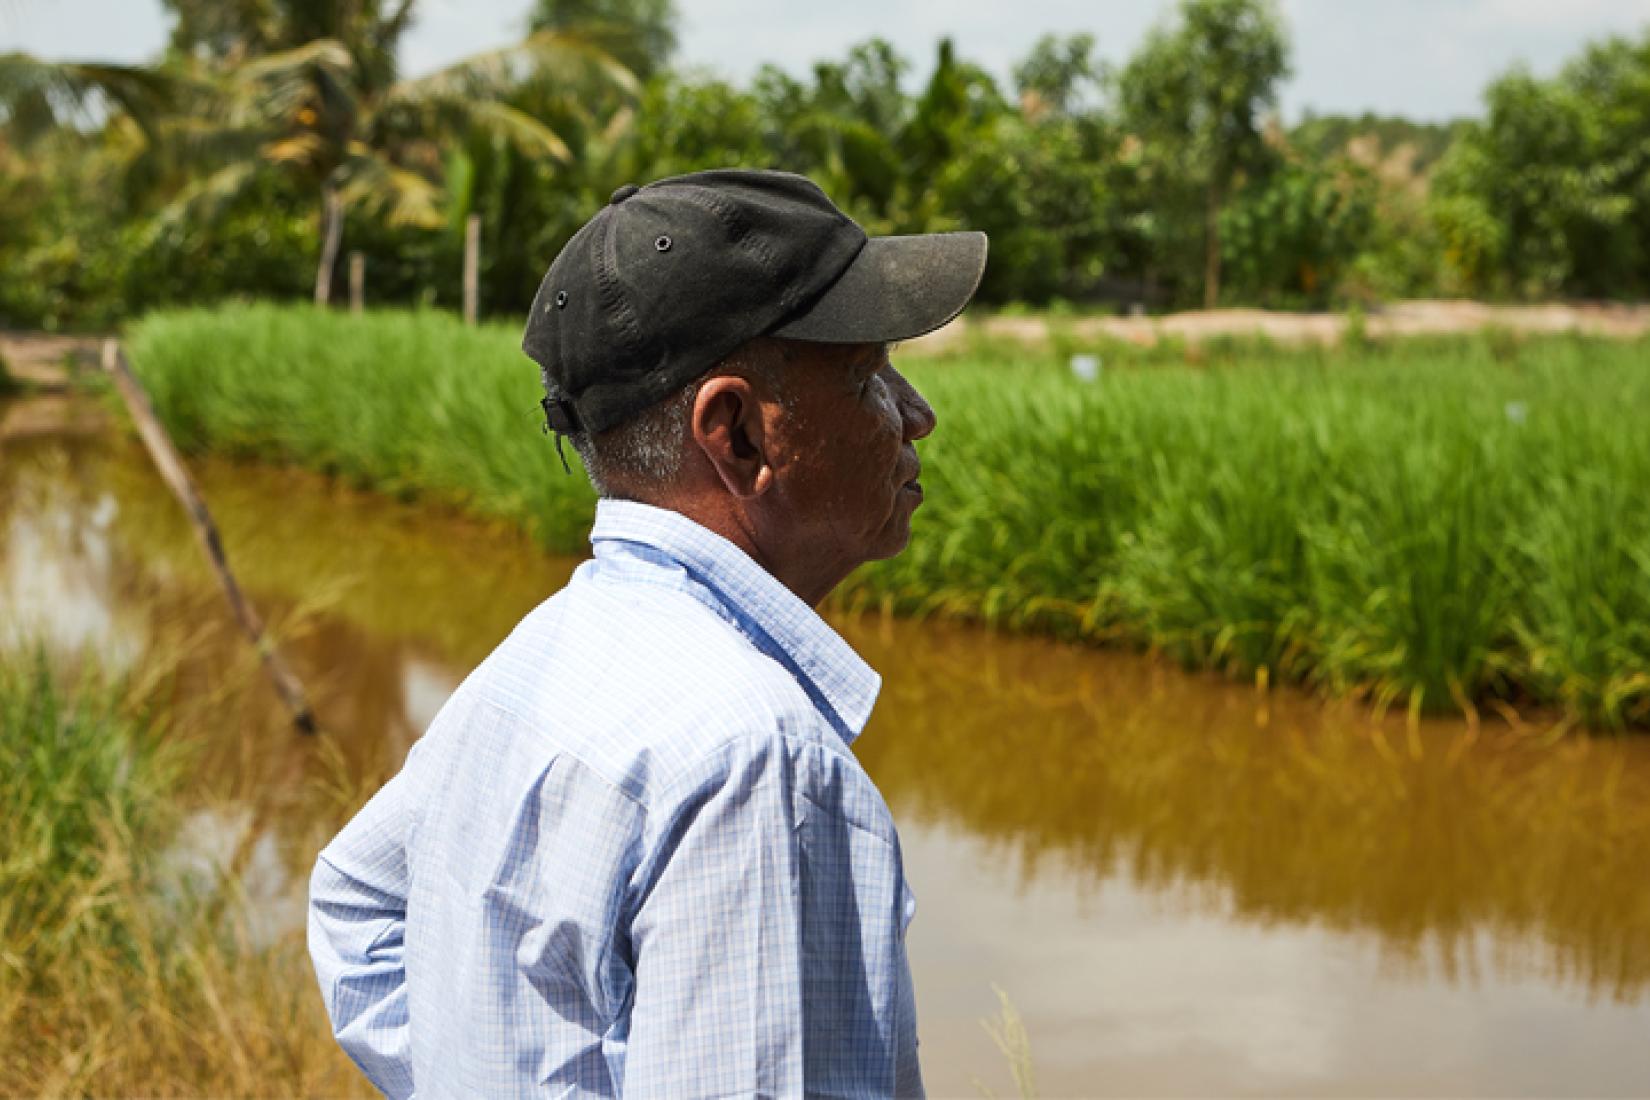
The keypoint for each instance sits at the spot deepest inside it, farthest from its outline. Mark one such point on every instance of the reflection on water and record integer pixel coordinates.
(1193, 888)
(1294, 813)
(1185, 886)
(58, 586)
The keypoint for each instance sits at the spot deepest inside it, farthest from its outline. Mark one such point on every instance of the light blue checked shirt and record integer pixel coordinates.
(633, 854)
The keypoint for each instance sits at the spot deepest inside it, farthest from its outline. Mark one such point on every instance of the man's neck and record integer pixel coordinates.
(725, 516)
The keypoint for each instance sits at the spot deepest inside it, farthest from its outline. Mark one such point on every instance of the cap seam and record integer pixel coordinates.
(740, 231)
(612, 293)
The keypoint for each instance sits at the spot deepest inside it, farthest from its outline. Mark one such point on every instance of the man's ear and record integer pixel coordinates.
(728, 426)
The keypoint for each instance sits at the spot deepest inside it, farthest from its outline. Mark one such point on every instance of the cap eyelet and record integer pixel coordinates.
(561, 299)
(662, 244)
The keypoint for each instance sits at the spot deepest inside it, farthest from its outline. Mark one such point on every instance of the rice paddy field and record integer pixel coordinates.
(1179, 884)
(1436, 525)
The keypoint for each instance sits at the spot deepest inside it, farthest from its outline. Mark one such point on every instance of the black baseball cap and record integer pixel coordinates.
(668, 279)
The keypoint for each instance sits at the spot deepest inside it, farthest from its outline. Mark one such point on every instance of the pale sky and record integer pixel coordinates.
(1427, 59)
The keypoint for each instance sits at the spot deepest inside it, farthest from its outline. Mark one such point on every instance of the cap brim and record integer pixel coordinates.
(895, 289)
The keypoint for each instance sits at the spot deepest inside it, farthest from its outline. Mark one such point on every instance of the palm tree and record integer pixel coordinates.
(308, 88)
(313, 113)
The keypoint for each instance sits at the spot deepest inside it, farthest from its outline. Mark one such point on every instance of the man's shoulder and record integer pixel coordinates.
(643, 688)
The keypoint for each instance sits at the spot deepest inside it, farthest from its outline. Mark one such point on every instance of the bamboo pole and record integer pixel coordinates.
(472, 261)
(176, 476)
(357, 282)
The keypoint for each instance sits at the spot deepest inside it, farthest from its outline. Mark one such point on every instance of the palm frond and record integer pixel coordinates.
(529, 135)
(404, 197)
(194, 140)
(324, 54)
(618, 126)
(574, 58)
(304, 150)
(282, 84)
(204, 200)
(37, 96)
(394, 26)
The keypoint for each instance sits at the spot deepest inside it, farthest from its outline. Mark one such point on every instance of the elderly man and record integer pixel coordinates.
(634, 853)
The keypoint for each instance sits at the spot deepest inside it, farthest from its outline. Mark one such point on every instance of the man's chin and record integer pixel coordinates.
(896, 537)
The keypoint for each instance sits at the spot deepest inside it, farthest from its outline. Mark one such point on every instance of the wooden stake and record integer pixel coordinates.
(177, 478)
(357, 281)
(332, 230)
(472, 261)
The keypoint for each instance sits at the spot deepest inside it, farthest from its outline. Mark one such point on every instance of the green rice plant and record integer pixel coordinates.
(1583, 623)
(1406, 589)
(409, 403)
(1446, 522)
(1026, 503)
(1351, 521)
(1212, 569)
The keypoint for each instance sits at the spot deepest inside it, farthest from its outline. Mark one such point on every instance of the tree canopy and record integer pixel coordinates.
(271, 127)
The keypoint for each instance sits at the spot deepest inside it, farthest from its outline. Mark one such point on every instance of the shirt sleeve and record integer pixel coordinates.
(769, 944)
(357, 926)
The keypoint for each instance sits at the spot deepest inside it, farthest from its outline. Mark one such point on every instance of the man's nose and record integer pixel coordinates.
(915, 412)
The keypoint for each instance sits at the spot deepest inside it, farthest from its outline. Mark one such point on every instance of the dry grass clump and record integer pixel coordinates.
(124, 970)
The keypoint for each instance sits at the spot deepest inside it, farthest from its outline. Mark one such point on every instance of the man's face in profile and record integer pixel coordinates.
(849, 463)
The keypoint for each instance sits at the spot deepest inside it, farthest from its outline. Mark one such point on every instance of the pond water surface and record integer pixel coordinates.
(1185, 886)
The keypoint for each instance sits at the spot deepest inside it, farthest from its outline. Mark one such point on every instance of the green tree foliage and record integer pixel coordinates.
(1197, 94)
(843, 128)
(1324, 136)
(1060, 76)
(1168, 179)
(684, 125)
(1292, 235)
(56, 263)
(958, 102)
(1391, 161)
(1048, 182)
(1550, 192)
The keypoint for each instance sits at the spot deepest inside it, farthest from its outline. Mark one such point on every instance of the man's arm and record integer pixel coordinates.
(357, 921)
(769, 945)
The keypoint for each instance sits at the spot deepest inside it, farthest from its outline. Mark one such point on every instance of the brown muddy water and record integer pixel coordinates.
(1185, 886)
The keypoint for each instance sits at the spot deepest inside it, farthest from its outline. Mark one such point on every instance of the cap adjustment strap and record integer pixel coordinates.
(562, 418)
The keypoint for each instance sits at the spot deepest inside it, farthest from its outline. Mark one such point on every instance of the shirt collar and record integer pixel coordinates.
(773, 617)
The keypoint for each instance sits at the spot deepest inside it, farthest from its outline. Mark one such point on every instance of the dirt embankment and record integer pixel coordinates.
(44, 361)
(1422, 317)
